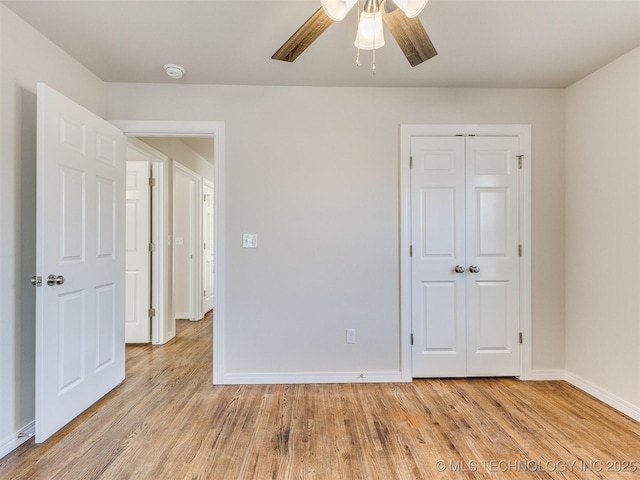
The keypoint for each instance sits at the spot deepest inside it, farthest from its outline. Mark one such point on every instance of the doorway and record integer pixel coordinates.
(444, 340)
(215, 130)
(166, 230)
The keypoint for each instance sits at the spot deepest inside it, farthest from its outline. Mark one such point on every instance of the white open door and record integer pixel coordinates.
(138, 261)
(207, 246)
(80, 260)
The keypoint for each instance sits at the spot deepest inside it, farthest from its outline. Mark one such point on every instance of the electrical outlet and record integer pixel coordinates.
(351, 335)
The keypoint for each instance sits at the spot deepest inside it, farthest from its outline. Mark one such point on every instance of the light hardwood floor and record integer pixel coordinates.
(167, 421)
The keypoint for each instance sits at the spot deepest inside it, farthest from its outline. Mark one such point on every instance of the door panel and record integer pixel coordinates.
(438, 292)
(492, 245)
(138, 262)
(207, 252)
(80, 243)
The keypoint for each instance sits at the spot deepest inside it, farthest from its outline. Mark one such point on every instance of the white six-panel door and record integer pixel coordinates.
(464, 204)
(80, 246)
(207, 247)
(138, 261)
(438, 292)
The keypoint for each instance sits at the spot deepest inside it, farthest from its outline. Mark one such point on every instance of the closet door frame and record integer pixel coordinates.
(523, 132)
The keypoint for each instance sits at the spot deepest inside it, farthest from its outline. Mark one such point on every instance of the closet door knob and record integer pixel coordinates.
(474, 269)
(458, 269)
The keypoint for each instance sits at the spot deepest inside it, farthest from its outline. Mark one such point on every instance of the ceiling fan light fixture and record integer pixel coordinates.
(411, 8)
(370, 35)
(337, 9)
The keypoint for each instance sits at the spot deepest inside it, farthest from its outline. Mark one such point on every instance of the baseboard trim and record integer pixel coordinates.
(17, 439)
(308, 377)
(605, 396)
(548, 374)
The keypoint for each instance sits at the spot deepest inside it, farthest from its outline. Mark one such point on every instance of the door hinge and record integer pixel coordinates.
(152, 312)
(152, 182)
(412, 339)
(520, 160)
(519, 250)
(411, 250)
(411, 162)
(520, 338)
(152, 247)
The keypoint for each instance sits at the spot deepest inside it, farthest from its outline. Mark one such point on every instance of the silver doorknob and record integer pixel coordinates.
(458, 269)
(474, 269)
(36, 281)
(55, 280)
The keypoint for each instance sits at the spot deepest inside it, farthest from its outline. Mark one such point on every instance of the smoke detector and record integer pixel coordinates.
(174, 71)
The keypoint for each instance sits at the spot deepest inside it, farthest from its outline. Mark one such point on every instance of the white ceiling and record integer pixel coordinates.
(480, 43)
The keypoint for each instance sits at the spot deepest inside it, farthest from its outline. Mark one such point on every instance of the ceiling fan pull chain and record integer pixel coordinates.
(373, 65)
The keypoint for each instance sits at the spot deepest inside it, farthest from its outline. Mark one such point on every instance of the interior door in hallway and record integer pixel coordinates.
(465, 265)
(138, 239)
(80, 260)
(207, 246)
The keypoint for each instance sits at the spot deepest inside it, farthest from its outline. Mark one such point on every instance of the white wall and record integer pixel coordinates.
(26, 57)
(603, 232)
(314, 172)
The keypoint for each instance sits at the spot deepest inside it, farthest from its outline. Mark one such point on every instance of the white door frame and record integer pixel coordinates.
(195, 236)
(524, 133)
(159, 210)
(155, 128)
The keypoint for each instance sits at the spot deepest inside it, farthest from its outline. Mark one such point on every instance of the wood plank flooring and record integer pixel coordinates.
(167, 421)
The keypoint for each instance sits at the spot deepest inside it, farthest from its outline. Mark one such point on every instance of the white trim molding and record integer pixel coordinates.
(548, 374)
(14, 441)
(592, 389)
(605, 396)
(523, 132)
(312, 377)
(155, 128)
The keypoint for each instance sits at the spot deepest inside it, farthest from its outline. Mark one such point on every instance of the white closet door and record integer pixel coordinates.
(438, 291)
(465, 265)
(493, 347)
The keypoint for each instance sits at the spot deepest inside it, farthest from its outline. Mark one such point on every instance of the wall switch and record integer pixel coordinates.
(249, 240)
(351, 335)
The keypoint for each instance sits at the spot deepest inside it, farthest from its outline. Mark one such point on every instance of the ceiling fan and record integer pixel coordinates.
(400, 16)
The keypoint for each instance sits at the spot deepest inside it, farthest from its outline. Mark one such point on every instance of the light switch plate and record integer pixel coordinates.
(249, 240)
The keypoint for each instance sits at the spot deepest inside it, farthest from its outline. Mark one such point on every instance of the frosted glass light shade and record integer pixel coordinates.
(411, 8)
(337, 9)
(370, 33)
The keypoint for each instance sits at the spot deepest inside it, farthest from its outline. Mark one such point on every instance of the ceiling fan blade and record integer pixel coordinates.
(409, 33)
(304, 36)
